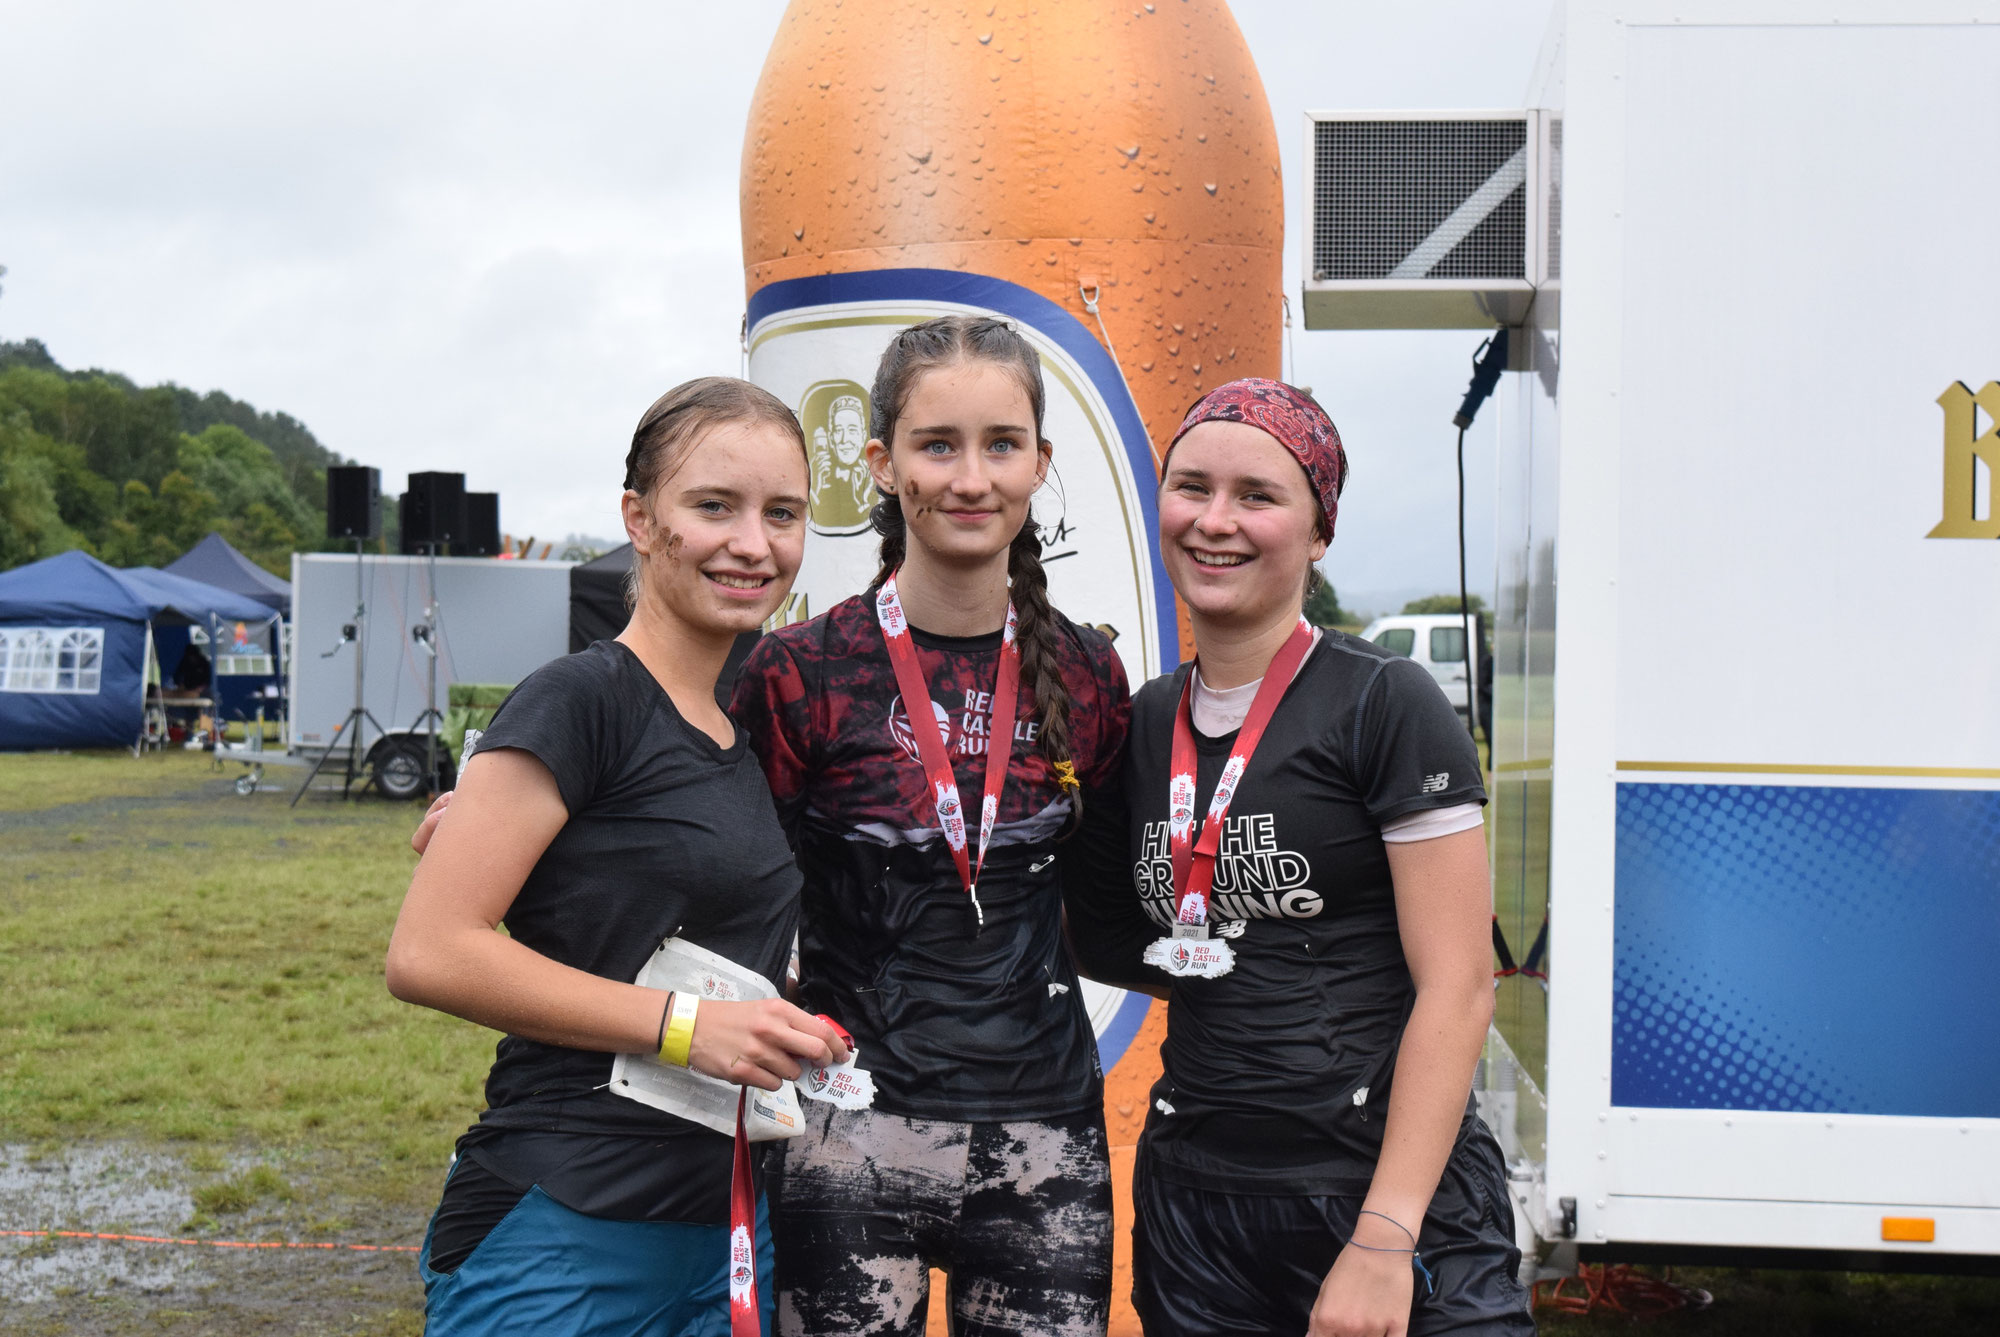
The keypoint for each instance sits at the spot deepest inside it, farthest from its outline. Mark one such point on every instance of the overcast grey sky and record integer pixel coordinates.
(483, 237)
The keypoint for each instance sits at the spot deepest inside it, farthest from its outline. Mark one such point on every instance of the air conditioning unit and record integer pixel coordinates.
(1428, 219)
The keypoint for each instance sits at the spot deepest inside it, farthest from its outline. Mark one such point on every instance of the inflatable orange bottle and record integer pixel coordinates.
(1105, 176)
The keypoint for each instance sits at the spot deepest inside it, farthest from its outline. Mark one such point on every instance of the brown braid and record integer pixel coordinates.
(947, 341)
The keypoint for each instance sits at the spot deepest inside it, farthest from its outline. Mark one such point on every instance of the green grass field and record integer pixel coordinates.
(194, 981)
(195, 1012)
(192, 965)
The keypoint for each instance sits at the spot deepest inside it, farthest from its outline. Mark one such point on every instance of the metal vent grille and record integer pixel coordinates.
(1554, 159)
(1419, 199)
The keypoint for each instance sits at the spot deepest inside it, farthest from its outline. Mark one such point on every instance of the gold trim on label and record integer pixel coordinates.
(1780, 768)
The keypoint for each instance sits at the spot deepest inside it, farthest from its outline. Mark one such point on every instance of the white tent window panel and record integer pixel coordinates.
(65, 660)
(226, 665)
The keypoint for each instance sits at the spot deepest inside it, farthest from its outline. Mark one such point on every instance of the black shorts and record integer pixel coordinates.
(1205, 1264)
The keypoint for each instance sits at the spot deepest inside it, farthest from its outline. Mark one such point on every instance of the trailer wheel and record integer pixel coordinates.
(246, 783)
(399, 768)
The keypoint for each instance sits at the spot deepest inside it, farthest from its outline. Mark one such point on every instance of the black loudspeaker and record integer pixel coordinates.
(353, 502)
(482, 526)
(433, 510)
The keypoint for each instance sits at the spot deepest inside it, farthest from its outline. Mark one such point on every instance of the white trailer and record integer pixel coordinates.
(496, 622)
(1756, 387)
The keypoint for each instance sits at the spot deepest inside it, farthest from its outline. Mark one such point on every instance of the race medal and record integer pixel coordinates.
(839, 1084)
(1188, 951)
(930, 743)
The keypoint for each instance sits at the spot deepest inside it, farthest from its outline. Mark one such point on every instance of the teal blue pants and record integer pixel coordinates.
(554, 1272)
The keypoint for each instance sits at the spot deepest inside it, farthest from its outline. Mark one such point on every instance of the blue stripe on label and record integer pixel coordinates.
(1048, 319)
(1124, 1025)
(1831, 950)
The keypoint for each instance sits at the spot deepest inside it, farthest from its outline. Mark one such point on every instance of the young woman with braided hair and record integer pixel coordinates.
(928, 743)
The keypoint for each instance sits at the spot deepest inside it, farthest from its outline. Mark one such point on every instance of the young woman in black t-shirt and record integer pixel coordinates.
(984, 1153)
(610, 806)
(1322, 923)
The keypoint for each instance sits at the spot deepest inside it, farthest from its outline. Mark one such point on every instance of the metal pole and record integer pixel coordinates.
(360, 655)
(431, 679)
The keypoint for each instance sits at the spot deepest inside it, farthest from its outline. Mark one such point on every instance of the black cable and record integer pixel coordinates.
(1487, 363)
(1465, 611)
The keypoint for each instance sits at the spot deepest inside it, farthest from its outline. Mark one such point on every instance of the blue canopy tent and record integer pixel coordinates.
(245, 658)
(214, 561)
(75, 638)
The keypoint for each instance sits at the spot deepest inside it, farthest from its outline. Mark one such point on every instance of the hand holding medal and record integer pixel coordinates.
(842, 1085)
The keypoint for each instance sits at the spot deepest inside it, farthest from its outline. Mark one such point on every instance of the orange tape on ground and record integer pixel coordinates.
(213, 1244)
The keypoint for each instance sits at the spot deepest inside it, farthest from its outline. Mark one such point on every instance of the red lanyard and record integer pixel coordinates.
(1194, 859)
(743, 1321)
(930, 743)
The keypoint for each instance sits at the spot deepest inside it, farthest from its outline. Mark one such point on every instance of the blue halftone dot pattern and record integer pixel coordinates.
(1807, 948)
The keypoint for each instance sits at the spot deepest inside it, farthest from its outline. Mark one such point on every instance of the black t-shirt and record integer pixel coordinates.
(955, 1020)
(669, 834)
(1276, 1075)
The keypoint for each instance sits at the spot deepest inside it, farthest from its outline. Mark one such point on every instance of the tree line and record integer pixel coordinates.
(138, 475)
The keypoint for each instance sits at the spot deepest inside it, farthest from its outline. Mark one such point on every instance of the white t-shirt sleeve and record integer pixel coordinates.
(1431, 823)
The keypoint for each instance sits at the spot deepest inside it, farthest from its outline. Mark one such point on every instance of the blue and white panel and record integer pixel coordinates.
(1827, 949)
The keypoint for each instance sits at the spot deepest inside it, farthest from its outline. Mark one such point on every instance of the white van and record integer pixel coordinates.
(1435, 640)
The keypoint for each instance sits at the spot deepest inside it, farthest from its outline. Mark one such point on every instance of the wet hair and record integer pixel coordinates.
(682, 416)
(950, 341)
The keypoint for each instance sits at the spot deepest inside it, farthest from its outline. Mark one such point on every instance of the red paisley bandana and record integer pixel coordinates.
(1291, 418)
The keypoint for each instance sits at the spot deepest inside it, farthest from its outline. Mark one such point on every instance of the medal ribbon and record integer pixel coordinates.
(1194, 857)
(930, 744)
(742, 1236)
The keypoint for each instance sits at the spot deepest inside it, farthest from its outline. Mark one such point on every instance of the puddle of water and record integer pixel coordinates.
(114, 1189)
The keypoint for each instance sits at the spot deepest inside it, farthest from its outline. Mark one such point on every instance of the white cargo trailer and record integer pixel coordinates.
(497, 621)
(1747, 780)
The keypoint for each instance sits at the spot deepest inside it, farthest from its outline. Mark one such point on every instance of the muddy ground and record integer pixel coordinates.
(51, 1285)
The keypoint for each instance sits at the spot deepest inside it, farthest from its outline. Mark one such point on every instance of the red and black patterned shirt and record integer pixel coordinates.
(955, 1020)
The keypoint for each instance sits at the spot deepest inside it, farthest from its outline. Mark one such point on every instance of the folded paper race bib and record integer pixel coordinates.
(768, 1116)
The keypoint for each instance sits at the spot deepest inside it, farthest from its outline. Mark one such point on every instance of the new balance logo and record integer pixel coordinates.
(1435, 784)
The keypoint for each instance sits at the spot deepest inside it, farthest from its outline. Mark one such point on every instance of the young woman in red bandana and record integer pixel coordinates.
(1310, 867)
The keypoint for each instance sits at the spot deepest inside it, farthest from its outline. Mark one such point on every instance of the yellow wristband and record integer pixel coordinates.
(679, 1036)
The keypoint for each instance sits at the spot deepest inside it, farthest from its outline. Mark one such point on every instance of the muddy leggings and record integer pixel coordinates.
(1017, 1215)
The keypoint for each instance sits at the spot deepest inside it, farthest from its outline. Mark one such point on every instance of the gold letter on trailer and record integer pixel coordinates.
(1965, 447)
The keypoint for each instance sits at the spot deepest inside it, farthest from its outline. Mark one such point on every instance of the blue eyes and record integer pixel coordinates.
(1001, 445)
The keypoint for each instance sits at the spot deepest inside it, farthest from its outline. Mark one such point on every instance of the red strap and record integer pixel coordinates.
(1194, 858)
(930, 743)
(743, 1321)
